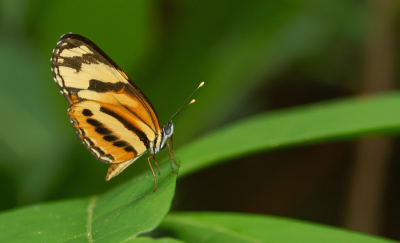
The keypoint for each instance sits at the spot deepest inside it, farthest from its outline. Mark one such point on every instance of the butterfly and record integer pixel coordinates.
(112, 117)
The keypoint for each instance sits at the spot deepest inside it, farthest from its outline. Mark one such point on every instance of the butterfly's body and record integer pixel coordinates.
(112, 117)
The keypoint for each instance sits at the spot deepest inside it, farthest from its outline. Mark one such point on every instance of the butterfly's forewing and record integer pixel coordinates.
(113, 118)
(84, 72)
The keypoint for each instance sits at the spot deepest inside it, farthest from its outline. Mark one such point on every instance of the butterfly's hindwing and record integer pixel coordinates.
(110, 132)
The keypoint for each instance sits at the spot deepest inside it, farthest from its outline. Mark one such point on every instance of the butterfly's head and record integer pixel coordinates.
(168, 130)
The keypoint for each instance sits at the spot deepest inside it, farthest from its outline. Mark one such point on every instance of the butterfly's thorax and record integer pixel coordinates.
(155, 145)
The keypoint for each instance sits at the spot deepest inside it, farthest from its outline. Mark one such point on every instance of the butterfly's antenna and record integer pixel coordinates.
(184, 105)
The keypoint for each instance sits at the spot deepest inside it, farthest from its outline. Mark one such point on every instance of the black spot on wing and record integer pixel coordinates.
(94, 122)
(87, 112)
(103, 131)
(130, 149)
(110, 138)
(102, 87)
(72, 62)
(142, 136)
(121, 143)
(100, 129)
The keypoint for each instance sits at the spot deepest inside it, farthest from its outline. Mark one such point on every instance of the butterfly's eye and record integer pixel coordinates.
(167, 130)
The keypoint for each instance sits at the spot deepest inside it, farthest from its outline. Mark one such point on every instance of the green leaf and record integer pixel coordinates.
(120, 214)
(150, 240)
(321, 122)
(233, 227)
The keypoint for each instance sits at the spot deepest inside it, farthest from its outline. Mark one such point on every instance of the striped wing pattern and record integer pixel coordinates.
(108, 131)
(112, 117)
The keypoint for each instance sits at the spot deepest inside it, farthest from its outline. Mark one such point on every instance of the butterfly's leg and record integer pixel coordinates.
(169, 151)
(155, 181)
(170, 161)
(173, 156)
(154, 157)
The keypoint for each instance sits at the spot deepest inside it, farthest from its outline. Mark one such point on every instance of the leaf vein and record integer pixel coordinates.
(91, 205)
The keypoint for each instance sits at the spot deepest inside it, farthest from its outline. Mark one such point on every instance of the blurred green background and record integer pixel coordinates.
(254, 56)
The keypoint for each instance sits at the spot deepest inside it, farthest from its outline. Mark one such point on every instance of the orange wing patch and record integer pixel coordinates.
(110, 132)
